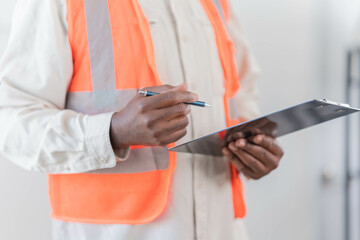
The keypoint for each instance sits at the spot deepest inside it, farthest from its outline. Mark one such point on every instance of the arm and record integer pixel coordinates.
(36, 132)
(258, 155)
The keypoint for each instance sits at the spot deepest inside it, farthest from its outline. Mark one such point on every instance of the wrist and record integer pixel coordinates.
(117, 135)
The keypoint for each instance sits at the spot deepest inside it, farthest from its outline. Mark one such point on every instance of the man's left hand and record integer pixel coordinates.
(255, 156)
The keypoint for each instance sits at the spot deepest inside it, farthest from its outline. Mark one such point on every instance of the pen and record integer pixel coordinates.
(197, 103)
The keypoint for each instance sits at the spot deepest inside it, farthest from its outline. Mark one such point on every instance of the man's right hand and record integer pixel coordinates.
(153, 121)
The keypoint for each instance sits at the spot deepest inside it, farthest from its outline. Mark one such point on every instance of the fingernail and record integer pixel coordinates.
(258, 139)
(240, 143)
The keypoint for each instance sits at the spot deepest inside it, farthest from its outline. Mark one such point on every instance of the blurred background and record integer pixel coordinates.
(306, 49)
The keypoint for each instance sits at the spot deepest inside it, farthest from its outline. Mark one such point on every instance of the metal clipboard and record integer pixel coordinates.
(276, 124)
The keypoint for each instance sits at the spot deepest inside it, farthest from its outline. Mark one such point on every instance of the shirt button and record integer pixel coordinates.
(103, 161)
(184, 38)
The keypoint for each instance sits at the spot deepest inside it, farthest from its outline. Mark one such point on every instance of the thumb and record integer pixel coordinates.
(181, 87)
(158, 89)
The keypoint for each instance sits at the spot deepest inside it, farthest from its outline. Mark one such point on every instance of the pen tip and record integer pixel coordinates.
(207, 105)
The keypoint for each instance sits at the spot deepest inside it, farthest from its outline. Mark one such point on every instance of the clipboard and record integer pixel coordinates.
(276, 124)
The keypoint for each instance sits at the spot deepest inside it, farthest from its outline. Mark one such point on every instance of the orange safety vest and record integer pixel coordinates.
(113, 56)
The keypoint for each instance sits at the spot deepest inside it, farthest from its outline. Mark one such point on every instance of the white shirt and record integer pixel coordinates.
(37, 133)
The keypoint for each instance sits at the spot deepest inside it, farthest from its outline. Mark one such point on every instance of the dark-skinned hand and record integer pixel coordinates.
(153, 121)
(255, 156)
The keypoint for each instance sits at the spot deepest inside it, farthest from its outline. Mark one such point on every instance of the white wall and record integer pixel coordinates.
(300, 46)
(24, 205)
(341, 25)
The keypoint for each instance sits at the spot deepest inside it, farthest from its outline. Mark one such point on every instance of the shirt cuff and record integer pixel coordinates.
(97, 141)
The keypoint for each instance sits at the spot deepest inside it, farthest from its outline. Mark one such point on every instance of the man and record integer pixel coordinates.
(69, 106)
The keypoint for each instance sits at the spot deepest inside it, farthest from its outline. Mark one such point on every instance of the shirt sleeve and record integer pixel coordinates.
(37, 133)
(245, 103)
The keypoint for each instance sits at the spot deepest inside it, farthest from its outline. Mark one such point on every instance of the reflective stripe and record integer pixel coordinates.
(101, 52)
(137, 191)
(93, 103)
(219, 8)
(233, 109)
(141, 160)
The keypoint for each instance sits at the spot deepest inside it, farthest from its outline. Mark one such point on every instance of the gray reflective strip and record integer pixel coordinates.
(105, 97)
(84, 101)
(219, 8)
(101, 52)
(233, 108)
(140, 160)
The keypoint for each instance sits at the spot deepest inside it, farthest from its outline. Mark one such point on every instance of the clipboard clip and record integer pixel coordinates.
(335, 103)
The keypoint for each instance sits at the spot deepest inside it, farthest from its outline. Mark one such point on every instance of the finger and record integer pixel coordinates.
(271, 129)
(180, 87)
(250, 174)
(238, 165)
(260, 153)
(227, 153)
(235, 136)
(166, 128)
(247, 159)
(251, 128)
(173, 137)
(255, 127)
(169, 113)
(166, 87)
(260, 126)
(159, 89)
(167, 99)
(269, 143)
(233, 159)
